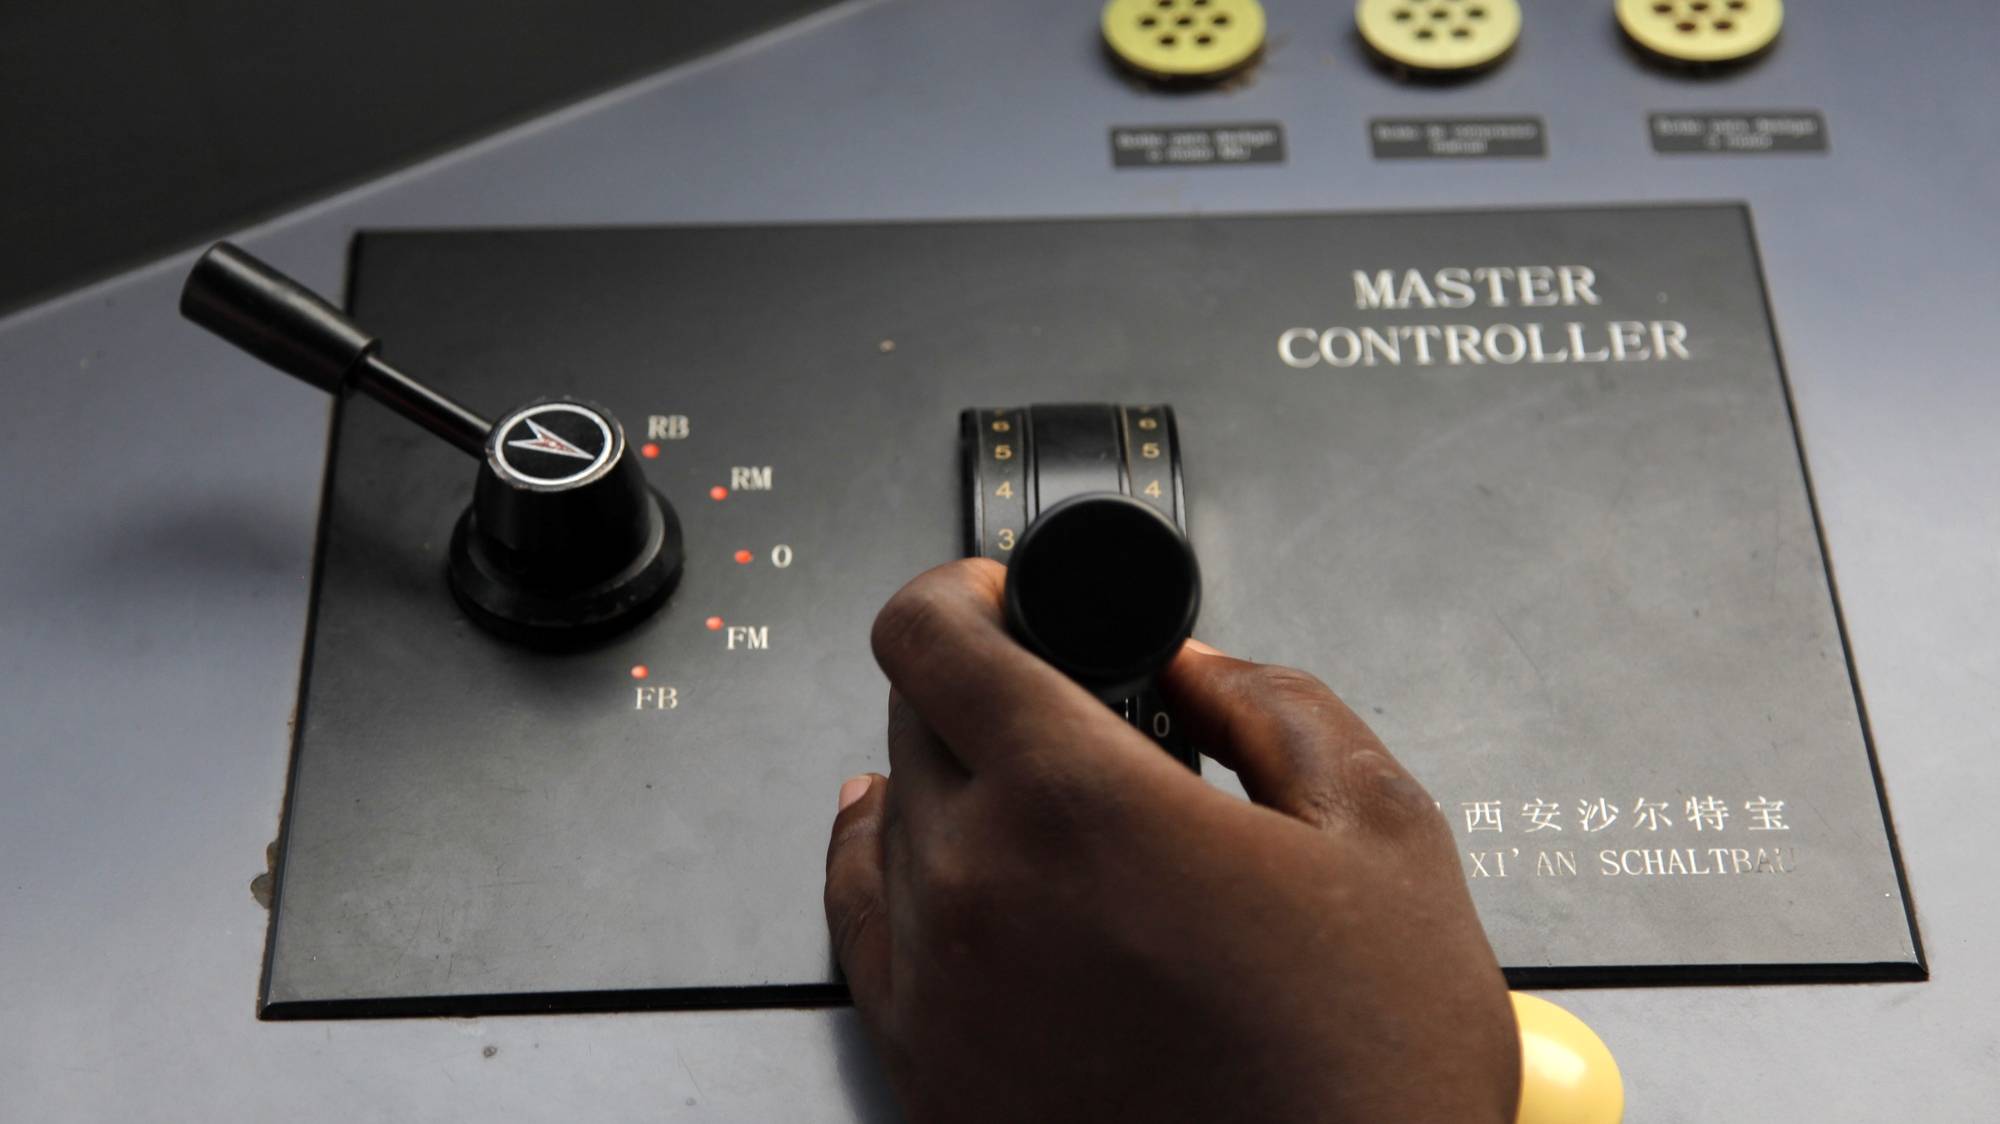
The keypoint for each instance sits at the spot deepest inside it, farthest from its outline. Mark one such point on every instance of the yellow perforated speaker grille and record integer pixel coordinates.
(1702, 31)
(1184, 39)
(1439, 36)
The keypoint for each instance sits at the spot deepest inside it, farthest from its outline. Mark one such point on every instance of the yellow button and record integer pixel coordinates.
(1702, 31)
(1439, 36)
(1567, 1074)
(1184, 39)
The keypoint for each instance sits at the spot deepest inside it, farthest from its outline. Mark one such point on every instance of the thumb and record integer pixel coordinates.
(1296, 746)
(857, 916)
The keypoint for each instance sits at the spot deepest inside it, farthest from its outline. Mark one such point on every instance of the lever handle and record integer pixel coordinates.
(299, 332)
(273, 317)
(1105, 588)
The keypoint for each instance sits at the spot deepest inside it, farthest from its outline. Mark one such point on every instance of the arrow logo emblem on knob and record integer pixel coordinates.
(546, 442)
(540, 445)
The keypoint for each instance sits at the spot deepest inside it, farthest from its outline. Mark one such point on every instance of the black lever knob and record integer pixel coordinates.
(564, 542)
(1105, 588)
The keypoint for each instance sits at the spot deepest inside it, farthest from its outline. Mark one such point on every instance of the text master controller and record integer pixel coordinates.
(565, 543)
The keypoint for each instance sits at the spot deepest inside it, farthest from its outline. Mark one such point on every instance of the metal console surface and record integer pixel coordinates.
(155, 580)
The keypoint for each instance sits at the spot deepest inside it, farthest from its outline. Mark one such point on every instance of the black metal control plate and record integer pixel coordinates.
(1575, 583)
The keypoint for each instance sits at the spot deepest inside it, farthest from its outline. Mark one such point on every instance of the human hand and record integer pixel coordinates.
(1042, 917)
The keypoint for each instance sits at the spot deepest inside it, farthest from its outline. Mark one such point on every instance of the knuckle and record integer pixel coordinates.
(953, 887)
(1288, 686)
(913, 622)
(852, 915)
(850, 829)
(1324, 806)
(1386, 796)
(1054, 802)
(849, 916)
(1361, 781)
(1041, 773)
(1298, 707)
(904, 722)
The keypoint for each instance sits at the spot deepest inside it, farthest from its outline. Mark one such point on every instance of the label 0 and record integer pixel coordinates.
(1193, 146)
(1741, 133)
(1457, 138)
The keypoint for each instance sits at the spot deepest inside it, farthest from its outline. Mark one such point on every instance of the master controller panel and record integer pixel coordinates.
(1489, 524)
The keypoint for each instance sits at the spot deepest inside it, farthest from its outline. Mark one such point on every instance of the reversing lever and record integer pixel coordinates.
(564, 541)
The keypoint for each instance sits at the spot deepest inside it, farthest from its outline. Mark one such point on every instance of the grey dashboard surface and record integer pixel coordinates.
(160, 497)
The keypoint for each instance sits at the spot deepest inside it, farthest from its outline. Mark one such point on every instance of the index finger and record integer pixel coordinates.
(942, 643)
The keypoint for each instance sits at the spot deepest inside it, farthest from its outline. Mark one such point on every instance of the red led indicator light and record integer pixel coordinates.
(639, 671)
(718, 493)
(743, 557)
(649, 450)
(715, 624)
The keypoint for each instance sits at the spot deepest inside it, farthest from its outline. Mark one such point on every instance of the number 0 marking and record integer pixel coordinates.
(781, 556)
(1162, 725)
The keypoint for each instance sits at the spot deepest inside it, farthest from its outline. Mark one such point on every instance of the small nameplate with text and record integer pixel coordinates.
(1746, 133)
(1457, 138)
(1194, 146)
